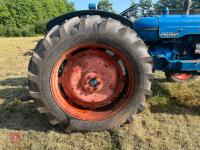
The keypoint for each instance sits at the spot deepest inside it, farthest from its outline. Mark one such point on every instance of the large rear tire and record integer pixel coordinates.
(91, 73)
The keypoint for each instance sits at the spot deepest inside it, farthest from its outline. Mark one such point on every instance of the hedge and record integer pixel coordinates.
(28, 17)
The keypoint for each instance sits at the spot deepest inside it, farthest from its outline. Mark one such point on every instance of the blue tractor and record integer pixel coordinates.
(93, 69)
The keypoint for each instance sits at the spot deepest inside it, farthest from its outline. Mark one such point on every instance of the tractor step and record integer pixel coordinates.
(184, 65)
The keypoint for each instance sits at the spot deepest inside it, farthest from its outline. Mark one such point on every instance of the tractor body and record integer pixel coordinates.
(173, 41)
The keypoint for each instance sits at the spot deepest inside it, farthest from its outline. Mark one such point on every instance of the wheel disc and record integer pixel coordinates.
(91, 81)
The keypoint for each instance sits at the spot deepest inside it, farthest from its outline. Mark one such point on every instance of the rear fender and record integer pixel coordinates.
(59, 20)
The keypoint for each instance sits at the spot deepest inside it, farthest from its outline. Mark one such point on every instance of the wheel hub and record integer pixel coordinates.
(91, 82)
(92, 79)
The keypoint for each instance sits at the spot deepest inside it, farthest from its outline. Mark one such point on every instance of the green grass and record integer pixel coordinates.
(171, 119)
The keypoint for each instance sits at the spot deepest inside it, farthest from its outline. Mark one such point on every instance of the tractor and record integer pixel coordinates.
(93, 69)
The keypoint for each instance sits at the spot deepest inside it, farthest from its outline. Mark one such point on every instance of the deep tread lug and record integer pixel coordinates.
(68, 27)
(129, 120)
(103, 25)
(32, 77)
(34, 95)
(43, 110)
(52, 31)
(69, 129)
(82, 25)
(62, 32)
(141, 108)
(148, 92)
(36, 61)
(54, 122)
(150, 76)
(47, 43)
(37, 56)
(147, 59)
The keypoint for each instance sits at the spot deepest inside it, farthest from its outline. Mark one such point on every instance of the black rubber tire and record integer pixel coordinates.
(80, 30)
(171, 78)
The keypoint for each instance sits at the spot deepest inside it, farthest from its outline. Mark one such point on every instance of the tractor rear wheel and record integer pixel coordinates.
(179, 77)
(91, 73)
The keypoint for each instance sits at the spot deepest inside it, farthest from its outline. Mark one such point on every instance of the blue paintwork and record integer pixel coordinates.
(161, 57)
(164, 59)
(182, 66)
(167, 26)
(178, 25)
(92, 6)
(147, 28)
(170, 28)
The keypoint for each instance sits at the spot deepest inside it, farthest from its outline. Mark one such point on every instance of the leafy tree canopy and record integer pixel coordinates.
(143, 8)
(18, 13)
(175, 4)
(105, 5)
(146, 7)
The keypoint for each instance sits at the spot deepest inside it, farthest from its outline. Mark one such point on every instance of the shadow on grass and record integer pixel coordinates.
(14, 82)
(163, 102)
(15, 93)
(18, 111)
(16, 89)
(161, 80)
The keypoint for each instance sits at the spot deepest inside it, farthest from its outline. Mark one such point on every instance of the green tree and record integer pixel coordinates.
(146, 7)
(22, 12)
(4, 14)
(175, 4)
(134, 11)
(105, 5)
(196, 4)
(29, 16)
(69, 6)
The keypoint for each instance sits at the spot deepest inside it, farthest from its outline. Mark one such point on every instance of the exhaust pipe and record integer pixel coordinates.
(187, 5)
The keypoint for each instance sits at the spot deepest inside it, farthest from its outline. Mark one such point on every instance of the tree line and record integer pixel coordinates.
(147, 7)
(29, 17)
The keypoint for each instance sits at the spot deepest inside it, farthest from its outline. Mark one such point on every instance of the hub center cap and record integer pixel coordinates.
(92, 83)
(92, 79)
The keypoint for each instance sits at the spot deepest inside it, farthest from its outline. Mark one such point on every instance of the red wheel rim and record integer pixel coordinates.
(91, 81)
(182, 76)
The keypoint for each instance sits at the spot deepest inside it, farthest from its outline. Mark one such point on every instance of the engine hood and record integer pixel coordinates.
(146, 23)
(147, 28)
(167, 26)
(176, 26)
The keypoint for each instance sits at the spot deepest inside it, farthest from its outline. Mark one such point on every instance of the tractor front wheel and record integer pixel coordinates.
(91, 73)
(179, 77)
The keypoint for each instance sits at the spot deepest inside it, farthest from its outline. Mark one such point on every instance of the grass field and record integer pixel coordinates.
(171, 119)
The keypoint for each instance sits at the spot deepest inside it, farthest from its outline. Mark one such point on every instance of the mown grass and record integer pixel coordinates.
(170, 121)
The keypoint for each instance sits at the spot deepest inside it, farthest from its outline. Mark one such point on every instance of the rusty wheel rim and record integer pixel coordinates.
(92, 81)
(182, 76)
